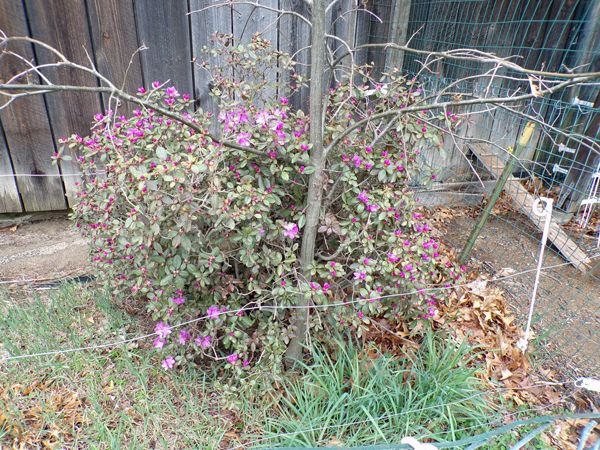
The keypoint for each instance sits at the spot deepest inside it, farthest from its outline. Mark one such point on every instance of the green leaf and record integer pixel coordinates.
(166, 280)
(229, 223)
(162, 153)
(302, 221)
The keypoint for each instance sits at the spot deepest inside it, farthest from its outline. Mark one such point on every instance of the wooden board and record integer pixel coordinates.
(63, 25)
(294, 38)
(524, 202)
(379, 33)
(204, 26)
(9, 194)
(163, 26)
(249, 20)
(398, 34)
(343, 26)
(26, 126)
(114, 38)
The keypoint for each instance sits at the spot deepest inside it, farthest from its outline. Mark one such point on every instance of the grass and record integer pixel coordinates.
(362, 398)
(119, 397)
(113, 398)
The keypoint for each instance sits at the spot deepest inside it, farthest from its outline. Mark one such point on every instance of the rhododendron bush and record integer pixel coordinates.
(201, 226)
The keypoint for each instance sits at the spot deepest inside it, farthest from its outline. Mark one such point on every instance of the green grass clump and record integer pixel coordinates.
(355, 399)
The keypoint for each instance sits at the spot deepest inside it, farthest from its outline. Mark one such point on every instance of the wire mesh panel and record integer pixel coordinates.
(554, 36)
(560, 160)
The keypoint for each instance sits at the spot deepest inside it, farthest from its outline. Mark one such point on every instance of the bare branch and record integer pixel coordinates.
(442, 105)
(474, 55)
(231, 3)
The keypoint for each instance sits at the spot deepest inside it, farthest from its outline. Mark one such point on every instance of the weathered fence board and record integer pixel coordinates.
(163, 26)
(249, 20)
(9, 193)
(294, 38)
(26, 126)
(115, 45)
(205, 24)
(69, 112)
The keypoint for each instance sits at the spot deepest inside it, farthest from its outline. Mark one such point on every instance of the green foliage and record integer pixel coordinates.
(193, 228)
(354, 398)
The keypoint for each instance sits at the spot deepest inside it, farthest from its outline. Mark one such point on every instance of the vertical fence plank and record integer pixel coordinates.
(114, 39)
(163, 26)
(380, 33)
(343, 26)
(63, 24)
(26, 125)
(294, 38)
(205, 24)
(249, 20)
(362, 31)
(398, 34)
(9, 194)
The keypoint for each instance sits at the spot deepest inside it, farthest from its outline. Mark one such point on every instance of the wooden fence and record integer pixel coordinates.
(109, 32)
(174, 32)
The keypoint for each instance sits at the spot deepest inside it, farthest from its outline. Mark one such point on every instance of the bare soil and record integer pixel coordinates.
(567, 311)
(43, 250)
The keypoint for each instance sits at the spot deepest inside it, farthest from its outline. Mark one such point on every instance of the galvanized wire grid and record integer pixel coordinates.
(550, 35)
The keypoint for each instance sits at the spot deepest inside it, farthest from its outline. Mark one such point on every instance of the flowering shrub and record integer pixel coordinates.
(197, 229)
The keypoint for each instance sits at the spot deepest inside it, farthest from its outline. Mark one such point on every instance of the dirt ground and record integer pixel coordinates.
(42, 250)
(567, 312)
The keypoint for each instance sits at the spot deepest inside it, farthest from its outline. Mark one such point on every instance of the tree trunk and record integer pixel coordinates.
(315, 186)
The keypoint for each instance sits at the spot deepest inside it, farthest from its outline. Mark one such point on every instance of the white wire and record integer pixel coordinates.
(547, 213)
(59, 175)
(260, 308)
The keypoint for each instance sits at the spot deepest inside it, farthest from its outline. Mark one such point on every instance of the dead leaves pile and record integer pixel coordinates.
(40, 415)
(479, 314)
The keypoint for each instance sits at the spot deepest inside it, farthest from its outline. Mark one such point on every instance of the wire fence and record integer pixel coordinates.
(561, 160)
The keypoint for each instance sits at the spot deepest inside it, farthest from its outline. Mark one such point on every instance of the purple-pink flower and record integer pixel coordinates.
(203, 342)
(171, 92)
(184, 337)
(233, 358)
(178, 299)
(291, 230)
(168, 362)
(158, 342)
(162, 330)
(213, 312)
(363, 197)
(360, 275)
(243, 139)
